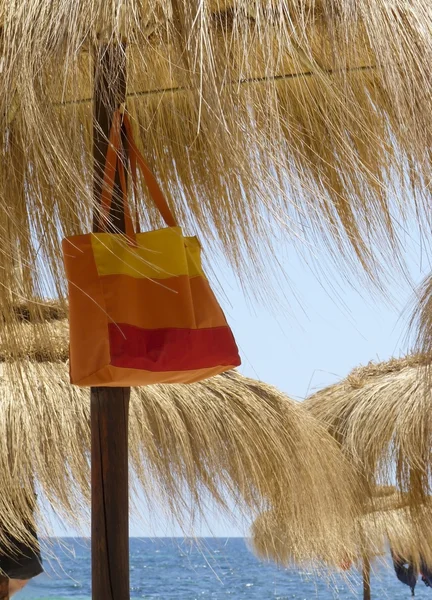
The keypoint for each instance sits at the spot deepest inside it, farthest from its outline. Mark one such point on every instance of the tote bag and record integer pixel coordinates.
(141, 310)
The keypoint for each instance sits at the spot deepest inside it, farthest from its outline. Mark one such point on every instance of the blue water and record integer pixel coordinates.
(176, 569)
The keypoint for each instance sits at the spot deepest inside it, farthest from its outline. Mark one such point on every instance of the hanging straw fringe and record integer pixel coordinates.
(420, 325)
(309, 119)
(230, 440)
(382, 524)
(380, 415)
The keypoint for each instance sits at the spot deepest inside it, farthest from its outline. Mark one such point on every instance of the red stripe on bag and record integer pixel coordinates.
(171, 349)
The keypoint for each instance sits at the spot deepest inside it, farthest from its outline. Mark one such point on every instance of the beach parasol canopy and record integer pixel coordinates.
(231, 441)
(380, 415)
(307, 118)
(386, 521)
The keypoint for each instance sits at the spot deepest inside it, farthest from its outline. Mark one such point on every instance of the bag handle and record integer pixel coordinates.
(113, 159)
(137, 160)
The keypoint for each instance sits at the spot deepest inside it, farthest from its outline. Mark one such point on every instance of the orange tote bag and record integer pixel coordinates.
(141, 308)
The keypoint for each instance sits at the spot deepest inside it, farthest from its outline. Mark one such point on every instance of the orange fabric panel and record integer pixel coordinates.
(178, 302)
(88, 323)
(208, 312)
(110, 376)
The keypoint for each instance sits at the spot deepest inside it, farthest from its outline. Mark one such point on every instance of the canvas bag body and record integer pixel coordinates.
(141, 309)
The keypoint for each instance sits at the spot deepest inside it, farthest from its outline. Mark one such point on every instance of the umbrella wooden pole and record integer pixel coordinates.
(109, 406)
(366, 578)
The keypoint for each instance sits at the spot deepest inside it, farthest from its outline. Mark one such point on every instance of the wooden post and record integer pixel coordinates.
(109, 406)
(366, 578)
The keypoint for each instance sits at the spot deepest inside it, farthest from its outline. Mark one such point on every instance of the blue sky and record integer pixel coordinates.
(312, 344)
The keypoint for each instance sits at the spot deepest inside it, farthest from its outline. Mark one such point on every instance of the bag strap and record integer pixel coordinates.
(113, 159)
(133, 168)
(137, 160)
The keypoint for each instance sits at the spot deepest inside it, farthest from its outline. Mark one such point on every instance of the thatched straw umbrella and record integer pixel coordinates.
(228, 440)
(380, 414)
(310, 114)
(387, 521)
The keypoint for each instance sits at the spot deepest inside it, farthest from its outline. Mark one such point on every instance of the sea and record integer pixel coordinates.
(216, 568)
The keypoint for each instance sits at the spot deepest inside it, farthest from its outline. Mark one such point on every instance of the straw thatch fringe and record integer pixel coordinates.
(390, 520)
(309, 119)
(226, 440)
(380, 415)
(407, 534)
(420, 325)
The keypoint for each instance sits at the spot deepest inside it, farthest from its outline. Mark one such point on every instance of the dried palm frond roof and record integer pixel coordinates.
(231, 440)
(310, 119)
(380, 414)
(407, 534)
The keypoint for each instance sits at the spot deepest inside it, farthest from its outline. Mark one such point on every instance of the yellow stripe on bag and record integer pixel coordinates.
(158, 255)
